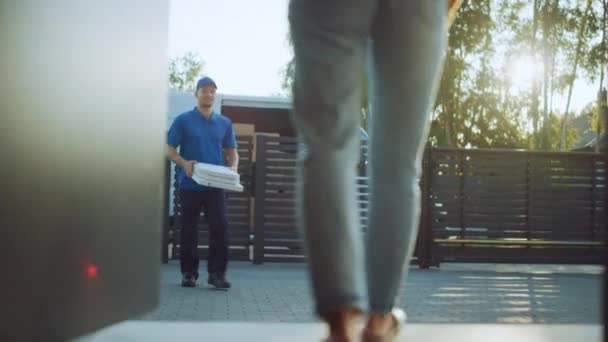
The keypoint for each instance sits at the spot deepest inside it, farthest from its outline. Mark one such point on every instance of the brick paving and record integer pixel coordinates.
(454, 293)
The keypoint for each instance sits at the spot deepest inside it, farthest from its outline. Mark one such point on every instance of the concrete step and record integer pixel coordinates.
(150, 331)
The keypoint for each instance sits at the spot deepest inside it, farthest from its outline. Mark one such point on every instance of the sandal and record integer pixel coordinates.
(399, 318)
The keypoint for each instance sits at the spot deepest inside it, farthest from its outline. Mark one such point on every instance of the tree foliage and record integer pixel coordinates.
(480, 105)
(184, 71)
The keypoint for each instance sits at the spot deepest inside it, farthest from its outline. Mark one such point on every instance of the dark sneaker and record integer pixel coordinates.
(218, 281)
(188, 280)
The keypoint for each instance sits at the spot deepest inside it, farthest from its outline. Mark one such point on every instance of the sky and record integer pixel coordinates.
(243, 44)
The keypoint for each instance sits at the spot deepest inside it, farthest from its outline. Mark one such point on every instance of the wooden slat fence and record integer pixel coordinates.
(477, 206)
(516, 206)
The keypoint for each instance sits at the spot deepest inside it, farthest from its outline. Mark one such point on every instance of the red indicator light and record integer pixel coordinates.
(91, 271)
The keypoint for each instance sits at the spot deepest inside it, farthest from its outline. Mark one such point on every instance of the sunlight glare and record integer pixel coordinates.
(523, 70)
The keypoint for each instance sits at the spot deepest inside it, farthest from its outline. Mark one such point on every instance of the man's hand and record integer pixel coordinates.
(188, 166)
(232, 159)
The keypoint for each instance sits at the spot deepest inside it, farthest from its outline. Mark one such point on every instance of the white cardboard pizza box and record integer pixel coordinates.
(216, 176)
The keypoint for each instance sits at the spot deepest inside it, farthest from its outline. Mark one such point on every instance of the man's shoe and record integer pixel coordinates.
(188, 280)
(218, 281)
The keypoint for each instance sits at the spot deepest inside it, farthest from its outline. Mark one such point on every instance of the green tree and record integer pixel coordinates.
(559, 24)
(470, 110)
(184, 71)
(579, 46)
(478, 104)
(572, 136)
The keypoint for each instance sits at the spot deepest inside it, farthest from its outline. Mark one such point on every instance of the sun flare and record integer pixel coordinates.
(523, 70)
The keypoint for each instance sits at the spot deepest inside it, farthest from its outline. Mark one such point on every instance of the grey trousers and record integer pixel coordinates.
(403, 43)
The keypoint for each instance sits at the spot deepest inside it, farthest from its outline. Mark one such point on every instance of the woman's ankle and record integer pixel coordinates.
(341, 323)
(379, 323)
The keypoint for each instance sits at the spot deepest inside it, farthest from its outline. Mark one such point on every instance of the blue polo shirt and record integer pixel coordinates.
(200, 139)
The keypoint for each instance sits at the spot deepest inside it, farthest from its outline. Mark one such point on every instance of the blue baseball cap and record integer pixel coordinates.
(204, 81)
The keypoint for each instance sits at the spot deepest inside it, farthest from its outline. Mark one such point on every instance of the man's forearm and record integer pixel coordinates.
(233, 159)
(174, 156)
